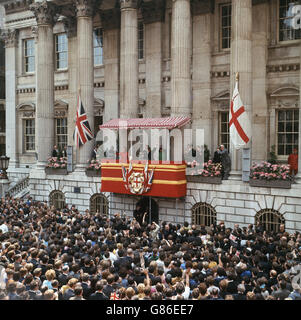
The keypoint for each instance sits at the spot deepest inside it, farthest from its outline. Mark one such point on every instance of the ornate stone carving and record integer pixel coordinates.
(17, 6)
(126, 4)
(283, 67)
(220, 74)
(153, 11)
(45, 12)
(28, 114)
(10, 37)
(34, 32)
(202, 6)
(60, 113)
(110, 19)
(85, 8)
(70, 26)
(285, 97)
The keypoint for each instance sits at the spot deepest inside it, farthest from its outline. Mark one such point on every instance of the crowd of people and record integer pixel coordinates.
(49, 254)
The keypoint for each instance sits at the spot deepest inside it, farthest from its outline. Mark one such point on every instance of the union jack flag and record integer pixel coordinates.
(82, 132)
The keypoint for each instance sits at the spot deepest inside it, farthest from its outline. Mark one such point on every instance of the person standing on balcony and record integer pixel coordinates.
(64, 152)
(216, 156)
(293, 162)
(226, 162)
(55, 152)
(94, 153)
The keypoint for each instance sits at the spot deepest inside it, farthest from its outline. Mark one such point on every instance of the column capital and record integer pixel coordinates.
(46, 13)
(128, 4)
(85, 8)
(10, 37)
(153, 11)
(70, 26)
(199, 7)
(110, 19)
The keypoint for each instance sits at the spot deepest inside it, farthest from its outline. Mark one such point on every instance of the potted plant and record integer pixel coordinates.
(211, 173)
(56, 165)
(270, 175)
(94, 168)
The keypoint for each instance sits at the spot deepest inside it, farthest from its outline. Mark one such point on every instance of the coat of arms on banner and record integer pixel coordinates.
(137, 182)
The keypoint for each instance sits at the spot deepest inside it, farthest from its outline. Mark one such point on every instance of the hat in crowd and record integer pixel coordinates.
(65, 268)
(179, 254)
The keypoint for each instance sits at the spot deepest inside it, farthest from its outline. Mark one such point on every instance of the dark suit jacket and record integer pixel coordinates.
(86, 290)
(98, 296)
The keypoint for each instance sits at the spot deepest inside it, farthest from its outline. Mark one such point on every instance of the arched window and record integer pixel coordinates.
(57, 199)
(100, 203)
(203, 214)
(270, 219)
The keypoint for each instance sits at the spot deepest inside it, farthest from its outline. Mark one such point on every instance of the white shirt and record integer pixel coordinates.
(4, 228)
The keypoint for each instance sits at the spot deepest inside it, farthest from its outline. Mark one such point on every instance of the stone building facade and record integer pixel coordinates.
(153, 58)
(2, 85)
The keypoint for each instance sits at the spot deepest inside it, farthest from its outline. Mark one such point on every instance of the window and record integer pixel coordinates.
(140, 40)
(61, 133)
(203, 214)
(98, 47)
(29, 55)
(224, 135)
(287, 131)
(61, 50)
(286, 31)
(269, 219)
(98, 202)
(226, 25)
(2, 120)
(57, 199)
(29, 138)
(2, 145)
(98, 121)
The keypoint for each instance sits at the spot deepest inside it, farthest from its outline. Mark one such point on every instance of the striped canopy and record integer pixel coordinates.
(159, 123)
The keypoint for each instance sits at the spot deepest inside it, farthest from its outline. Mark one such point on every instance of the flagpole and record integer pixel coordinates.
(233, 153)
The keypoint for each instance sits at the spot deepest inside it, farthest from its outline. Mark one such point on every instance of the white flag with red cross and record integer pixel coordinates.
(239, 122)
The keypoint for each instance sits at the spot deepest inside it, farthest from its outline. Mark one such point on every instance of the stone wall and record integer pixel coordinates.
(234, 201)
(237, 202)
(41, 185)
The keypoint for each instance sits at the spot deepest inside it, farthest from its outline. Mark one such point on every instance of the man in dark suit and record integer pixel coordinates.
(94, 153)
(55, 152)
(282, 292)
(108, 289)
(86, 286)
(64, 277)
(98, 294)
(64, 152)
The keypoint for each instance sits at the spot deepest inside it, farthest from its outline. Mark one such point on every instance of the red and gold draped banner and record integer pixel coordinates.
(140, 178)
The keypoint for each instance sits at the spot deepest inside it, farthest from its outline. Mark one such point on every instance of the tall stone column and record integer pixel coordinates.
(260, 104)
(153, 17)
(298, 178)
(10, 37)
(241, 62)
(202, 22)
(84, 12)
(45, 16)
(110, 20)
(129, 90)
(70, 25)
(181, 97)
